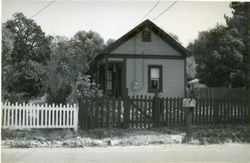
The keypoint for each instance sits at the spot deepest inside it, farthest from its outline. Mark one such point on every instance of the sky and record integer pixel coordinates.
(113, 19)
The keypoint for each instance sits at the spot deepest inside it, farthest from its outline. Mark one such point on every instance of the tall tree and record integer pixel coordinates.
(175, 37)
(109, 42)
(30, 41)
(59, 72)
(86, 45)
(28, 57)
(7, 47)
(240, 23)
(221, 53)
(219, 63)
(70, 59)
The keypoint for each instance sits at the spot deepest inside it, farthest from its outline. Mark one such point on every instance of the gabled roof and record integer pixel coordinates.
(158, 31)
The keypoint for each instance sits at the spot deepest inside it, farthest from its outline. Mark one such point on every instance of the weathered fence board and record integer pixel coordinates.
(145, 112)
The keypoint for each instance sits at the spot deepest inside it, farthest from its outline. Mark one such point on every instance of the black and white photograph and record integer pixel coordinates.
(123, 81)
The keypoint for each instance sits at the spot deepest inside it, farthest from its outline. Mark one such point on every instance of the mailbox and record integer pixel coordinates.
(187, 102)
(188, 106)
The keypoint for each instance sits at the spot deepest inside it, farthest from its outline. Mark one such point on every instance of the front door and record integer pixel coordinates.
(114, 80)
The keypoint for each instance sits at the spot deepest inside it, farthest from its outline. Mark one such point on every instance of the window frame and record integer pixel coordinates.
(160, 79)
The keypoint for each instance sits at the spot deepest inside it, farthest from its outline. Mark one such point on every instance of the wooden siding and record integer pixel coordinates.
(156, 47)
(173, 76)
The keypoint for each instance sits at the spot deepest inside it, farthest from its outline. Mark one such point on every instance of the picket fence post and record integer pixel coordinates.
(76, 108)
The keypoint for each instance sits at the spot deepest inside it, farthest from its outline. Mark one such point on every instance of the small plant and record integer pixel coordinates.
(12, 134)
(20, 144)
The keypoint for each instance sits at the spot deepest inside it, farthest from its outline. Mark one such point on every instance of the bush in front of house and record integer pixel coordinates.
(84, 88)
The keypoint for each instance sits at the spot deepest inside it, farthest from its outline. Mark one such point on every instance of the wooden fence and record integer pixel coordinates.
(221, 111)
(128, 112)
(222, 93)
(146, 112)
(22, 116)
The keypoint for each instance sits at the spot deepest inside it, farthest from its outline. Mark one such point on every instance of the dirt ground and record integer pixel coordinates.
(58, 138)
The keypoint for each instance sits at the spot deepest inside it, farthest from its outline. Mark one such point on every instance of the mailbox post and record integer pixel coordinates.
(188, 106)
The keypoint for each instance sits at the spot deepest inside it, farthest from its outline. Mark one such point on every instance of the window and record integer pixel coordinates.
(154, 78)
(146, 36)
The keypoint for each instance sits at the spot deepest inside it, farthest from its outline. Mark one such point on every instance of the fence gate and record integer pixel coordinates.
(102, 112)
(140, 112)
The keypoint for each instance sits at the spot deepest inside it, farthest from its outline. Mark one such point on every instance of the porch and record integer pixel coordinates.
(110, 74)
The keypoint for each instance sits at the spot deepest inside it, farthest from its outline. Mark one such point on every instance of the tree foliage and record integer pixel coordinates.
(175, 37)
(30, 41)
(7, 45)
(110, 41)
(86, 45)
(240, 22)
(59, 73)
(35, 64)
(220, 52)
(190, 67)
(24, 68)
(69, 60)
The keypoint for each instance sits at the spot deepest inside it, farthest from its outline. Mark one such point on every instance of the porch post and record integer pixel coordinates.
(106, 75)
(124, 82)
(98, 74)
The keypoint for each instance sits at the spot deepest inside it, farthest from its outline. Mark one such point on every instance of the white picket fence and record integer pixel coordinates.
(23, 116)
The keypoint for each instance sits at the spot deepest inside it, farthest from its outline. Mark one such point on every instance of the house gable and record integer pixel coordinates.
(165, 45)
(135, 45)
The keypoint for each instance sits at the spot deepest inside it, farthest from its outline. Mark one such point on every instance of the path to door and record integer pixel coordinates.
(166, 153)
